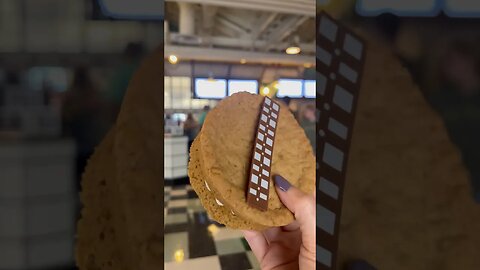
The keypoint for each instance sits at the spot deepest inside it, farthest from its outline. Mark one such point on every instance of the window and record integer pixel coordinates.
(178, 95)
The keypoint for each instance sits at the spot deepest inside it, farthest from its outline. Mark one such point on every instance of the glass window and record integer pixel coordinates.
(178, 95)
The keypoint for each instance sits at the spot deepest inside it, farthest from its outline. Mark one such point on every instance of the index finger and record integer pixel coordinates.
(258, 243)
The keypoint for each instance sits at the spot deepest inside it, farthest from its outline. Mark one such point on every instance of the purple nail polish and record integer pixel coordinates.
(281, 182)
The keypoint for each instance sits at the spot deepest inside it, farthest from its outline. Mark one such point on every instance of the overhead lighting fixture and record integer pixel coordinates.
(265, 91)
(179, 255)
(294, 46)
(213, 229)
(173, 59)
(293, 50)
(243, 61)
(275, 85)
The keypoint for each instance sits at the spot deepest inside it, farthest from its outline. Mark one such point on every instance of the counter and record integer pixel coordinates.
(37, 204)
(175, 157)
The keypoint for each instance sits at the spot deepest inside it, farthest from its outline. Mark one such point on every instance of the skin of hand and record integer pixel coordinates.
(292, 246)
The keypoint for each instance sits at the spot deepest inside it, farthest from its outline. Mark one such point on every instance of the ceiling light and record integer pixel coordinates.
(179, 255)
(293, 50)
(265, 90)
(294, 47)
(173, 59)
(213, 229)
(243, 61)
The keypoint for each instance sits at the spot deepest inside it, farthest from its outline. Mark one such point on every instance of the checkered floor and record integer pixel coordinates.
(194, 241)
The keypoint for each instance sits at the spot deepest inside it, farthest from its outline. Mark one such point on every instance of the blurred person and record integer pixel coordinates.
(287, 100)
(292, 107)
(121, 76)
(12, 78)
(190, 129)
(201, 119)
(307, 122)
(169, 120)
(82, 112)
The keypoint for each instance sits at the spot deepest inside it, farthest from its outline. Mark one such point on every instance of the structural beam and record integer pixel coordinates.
(187, 18)
(228, 23)
(232, 42)
(263, 25)
(280, 6)
(225, 55)
(286, 30)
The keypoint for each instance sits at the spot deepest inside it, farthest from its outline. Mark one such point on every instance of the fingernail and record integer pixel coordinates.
(281, 182)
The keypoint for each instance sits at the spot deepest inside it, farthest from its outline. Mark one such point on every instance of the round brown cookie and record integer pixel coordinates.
(226, 148)
(124, 211)
(221, 214)
(101, 232)
(407, 199)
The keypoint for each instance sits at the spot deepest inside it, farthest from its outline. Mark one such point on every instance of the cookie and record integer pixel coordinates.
(220, 214)
(122, 220)
(407, 199)
(101, 231)
(138, 153)
(226, 145)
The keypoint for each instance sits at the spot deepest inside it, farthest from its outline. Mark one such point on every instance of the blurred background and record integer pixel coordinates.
(438, 43)
(64, 67)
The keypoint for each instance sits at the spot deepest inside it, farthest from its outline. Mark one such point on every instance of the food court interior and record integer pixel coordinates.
(213, 50)
(64, 67)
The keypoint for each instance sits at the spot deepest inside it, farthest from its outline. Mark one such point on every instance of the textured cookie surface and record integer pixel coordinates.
(101, 234)
(226, 149)
(138, 153)
(122, 220)
(220, 213)
(407, 201)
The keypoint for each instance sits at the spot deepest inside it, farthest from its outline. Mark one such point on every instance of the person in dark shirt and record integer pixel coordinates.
(307, 122)
(203, 115)
(190, 129)
(82, 113)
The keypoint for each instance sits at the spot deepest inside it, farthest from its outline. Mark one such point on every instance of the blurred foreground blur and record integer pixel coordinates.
(64, 68)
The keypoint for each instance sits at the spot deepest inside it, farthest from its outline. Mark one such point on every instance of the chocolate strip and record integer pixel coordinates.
(340, 61)
(260, 167)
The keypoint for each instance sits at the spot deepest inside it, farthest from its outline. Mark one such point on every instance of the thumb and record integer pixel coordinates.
(302, 206)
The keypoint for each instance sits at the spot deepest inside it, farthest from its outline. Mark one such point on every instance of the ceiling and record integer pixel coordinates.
(257, 30)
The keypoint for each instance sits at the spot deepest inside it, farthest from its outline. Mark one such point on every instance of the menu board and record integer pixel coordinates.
(290, 88)
(235, 86)
(309, 88)
(210, 88)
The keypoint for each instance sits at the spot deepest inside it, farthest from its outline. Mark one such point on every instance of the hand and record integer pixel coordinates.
(292, 246)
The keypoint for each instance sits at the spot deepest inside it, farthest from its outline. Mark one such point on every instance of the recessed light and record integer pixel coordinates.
(293, 50)
(173, 59)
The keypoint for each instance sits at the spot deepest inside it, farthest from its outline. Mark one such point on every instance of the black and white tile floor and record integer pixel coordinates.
(194, 241)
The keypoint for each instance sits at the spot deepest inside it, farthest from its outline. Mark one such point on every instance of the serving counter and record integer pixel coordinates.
(175, 157)
(37, 204)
